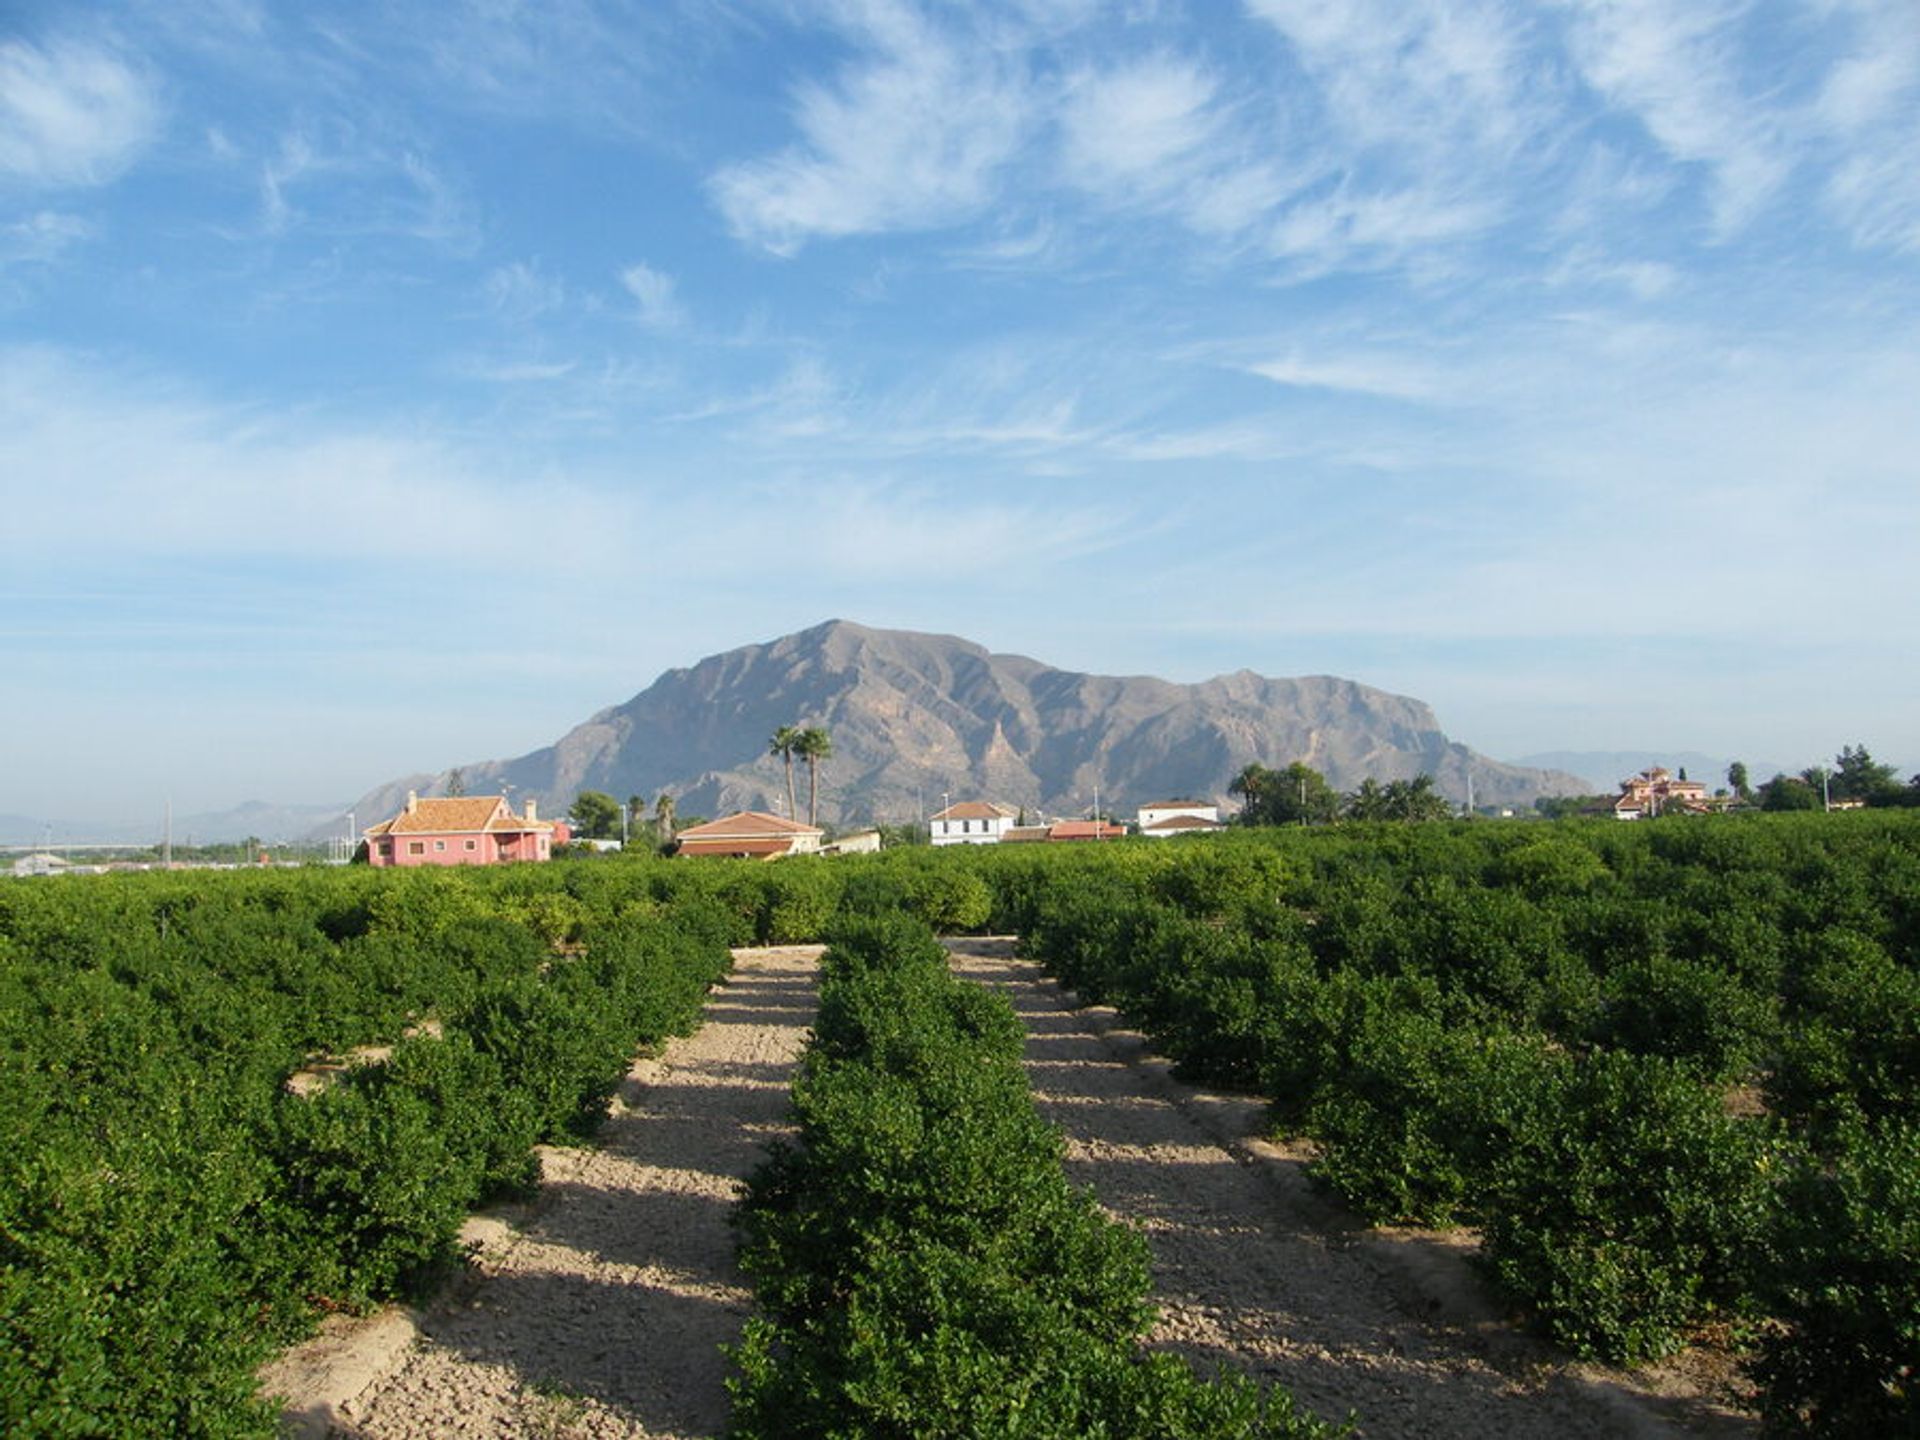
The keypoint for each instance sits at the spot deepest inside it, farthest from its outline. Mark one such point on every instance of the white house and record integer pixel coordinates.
(972, 822)
(1164, 818)
(42, 863)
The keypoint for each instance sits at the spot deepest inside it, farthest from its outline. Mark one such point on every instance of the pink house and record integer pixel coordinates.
(461, 830)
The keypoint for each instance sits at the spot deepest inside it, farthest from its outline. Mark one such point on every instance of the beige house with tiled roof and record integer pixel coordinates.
(972, 822)
(462, 830)
(1655, 792)
(1181, 825)
(1178, 817)
(750, 835)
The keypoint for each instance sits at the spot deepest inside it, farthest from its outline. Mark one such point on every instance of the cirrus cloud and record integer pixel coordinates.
(72, 114)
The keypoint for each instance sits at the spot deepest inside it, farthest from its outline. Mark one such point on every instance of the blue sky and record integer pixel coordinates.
(388, 387)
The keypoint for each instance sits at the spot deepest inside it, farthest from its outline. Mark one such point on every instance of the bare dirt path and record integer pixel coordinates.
(1255, 1271)
(604, 1315)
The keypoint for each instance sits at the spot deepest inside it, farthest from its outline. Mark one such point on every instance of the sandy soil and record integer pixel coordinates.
(604, 1313)
(1256, 1270)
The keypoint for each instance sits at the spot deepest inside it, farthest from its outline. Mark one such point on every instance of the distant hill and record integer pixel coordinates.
(255, 818)
(1603, 770)
(914, 717)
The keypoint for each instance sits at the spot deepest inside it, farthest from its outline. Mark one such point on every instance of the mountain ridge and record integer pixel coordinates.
(917, 715)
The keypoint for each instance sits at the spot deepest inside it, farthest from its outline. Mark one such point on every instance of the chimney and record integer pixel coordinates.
(533, 809)
(413, 801)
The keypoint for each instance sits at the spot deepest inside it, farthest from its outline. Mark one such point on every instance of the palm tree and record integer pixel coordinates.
(1251, 785)
(785, 743)
(663, 815)
(1369, 802)
(815, 745)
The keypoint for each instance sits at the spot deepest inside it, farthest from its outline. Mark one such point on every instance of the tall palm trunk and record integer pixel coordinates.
(785, 741)
(815, 745)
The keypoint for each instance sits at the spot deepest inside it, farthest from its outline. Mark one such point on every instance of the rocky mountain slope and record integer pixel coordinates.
(914, 717)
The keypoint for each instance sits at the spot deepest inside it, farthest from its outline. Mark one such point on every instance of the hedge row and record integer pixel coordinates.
(922, 1264)
(1673, 1075)
(171, 1211)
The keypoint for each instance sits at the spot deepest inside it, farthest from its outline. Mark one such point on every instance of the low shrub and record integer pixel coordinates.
(923, 1266)
(1627, 1211)
(1844, 1282)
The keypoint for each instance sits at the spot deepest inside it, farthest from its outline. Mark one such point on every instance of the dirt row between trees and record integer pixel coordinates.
(600, 1312)
(1255, 1270)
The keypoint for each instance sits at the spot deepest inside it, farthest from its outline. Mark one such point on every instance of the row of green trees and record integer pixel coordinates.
(923, 1265)
(1300, 795)
(1672, 1072)
(172, 1209)
(596, 815)
(1855, 777)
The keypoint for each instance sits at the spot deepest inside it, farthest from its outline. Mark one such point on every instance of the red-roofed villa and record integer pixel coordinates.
(462, 830)
(1655, 792)
(750, 835)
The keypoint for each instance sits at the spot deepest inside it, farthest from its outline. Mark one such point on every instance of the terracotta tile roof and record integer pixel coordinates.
(1186, 822)
(1179, 805)
(455, 815)
(1084, 830)
(1018, 834)
(977, 810)
(749, 825)
(720, 845)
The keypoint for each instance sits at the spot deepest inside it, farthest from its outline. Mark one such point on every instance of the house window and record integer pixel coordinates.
(416, 847)
(470, 845)
(439, 845)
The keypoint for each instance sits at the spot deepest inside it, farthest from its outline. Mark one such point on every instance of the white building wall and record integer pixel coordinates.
(969, 832)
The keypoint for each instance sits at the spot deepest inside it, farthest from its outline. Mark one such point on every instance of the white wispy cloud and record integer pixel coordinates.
(1587, 265)
(515, 372)
(522, 290)
(1361, 226)
(1678, 69)
(654, 291)
(1136, 126)
(41, 236)
(1445, 78)
(328, 178)
(1427, 122)
(1874, 80)
(1383, 376)
(1869, 108)
(72, 114)
(911, 136)
(876, 530)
